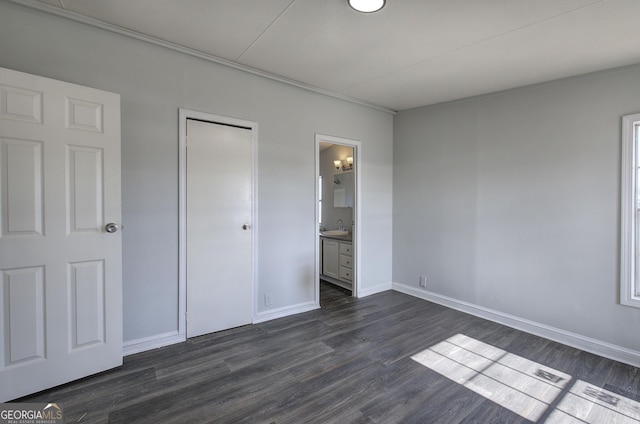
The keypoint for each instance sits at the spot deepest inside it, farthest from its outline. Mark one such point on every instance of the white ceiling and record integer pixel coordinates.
(410, 54)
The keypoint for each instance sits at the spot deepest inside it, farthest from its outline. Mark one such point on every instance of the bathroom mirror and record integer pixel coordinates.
(343, 189)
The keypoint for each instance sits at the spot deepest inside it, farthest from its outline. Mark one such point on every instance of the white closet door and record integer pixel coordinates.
(219, 242)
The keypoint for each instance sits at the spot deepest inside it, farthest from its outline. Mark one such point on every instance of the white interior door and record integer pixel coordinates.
(219, 243)
(61, 272)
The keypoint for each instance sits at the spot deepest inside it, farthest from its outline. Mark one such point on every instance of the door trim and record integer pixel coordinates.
(185, 114)
(357, 169)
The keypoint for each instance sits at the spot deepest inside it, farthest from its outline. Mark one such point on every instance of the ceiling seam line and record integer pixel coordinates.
(265, 30)
(466, 46)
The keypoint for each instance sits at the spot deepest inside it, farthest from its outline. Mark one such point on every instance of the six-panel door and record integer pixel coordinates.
(61, 273)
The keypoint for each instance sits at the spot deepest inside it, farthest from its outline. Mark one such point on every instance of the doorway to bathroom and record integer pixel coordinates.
(337, 215)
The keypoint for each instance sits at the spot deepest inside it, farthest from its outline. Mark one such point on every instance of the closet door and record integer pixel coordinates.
(219, 240)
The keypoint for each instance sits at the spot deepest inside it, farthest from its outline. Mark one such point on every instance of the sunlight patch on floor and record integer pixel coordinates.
(518, 384)
(589, 404)
(523, 386)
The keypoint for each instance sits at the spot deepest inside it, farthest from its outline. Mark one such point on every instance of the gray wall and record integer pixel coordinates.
(511, 202)
(153, 83)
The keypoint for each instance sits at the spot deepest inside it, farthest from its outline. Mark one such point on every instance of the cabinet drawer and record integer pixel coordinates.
(346, 249)
(346, 274)
(346, 261)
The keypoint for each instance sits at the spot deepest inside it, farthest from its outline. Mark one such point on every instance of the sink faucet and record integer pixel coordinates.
(340, 225)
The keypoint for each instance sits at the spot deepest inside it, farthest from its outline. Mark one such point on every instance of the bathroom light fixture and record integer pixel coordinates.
(344, 164)
(367, 6)
(349, 162)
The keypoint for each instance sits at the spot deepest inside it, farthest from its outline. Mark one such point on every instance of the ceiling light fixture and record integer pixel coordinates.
(367, 6)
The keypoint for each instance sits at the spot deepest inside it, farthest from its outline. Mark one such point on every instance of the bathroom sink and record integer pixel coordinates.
(335, 233)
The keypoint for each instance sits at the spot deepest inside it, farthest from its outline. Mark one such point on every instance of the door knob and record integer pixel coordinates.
(246, 226)
(111, 227)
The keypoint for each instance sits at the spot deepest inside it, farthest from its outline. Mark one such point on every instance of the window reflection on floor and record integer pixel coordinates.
(587, 403)
(523, 386)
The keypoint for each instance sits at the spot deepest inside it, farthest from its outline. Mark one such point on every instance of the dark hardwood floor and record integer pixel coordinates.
(349, 362)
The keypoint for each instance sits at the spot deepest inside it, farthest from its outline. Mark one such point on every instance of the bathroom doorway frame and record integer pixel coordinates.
(357, 219)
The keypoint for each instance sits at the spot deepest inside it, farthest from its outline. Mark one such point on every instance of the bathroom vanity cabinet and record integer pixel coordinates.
(337, 262)
(330, 257)
(345, 262)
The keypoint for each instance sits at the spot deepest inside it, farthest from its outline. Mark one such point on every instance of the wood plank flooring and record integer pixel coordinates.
(349, 362)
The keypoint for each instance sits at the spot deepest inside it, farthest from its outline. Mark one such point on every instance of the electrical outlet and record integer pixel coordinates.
(267, 300)
(423, 281)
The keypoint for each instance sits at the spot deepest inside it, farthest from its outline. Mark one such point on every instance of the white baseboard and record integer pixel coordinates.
(364, 292)
(284, 312)
(153, 342)
(598, 347)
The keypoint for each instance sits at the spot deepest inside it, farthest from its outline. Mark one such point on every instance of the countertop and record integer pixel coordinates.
(348, 237)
